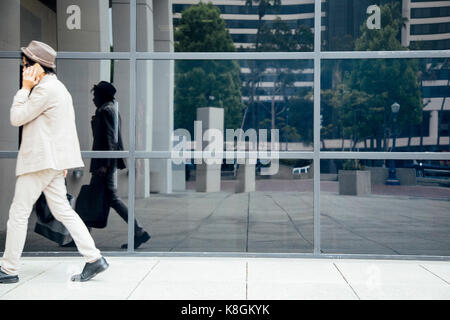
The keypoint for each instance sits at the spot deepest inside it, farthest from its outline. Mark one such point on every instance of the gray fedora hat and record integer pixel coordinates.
(41, 53)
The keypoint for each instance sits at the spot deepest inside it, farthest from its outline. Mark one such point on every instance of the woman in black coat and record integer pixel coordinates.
(107, 137)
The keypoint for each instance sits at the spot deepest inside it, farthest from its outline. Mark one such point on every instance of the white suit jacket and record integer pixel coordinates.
(49, 136)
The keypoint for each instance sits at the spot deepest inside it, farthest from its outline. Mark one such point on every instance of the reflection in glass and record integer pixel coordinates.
(9, 84)
(254, 95)
(112, 237)
(362, 214)
(226, 27)
(385, 25)
(357, 96)
(66, 25)
(228, 208)
(80, 76)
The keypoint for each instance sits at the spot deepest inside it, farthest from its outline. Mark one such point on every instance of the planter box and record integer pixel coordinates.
(354, 182)
(406, 176)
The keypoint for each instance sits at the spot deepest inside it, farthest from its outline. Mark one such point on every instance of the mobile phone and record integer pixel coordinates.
(39, 69)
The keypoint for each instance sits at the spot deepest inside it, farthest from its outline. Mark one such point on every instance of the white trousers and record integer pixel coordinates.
(28, 189)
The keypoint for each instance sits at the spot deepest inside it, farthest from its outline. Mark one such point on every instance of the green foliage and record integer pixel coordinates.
(362, 103)
(205, 83)
(201, 29)
(352, 164)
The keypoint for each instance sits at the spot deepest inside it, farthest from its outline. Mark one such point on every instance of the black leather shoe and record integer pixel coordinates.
(138, 240)
(7, 278)
(90, 270)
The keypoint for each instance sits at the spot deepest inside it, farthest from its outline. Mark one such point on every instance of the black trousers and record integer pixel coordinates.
(116, 203)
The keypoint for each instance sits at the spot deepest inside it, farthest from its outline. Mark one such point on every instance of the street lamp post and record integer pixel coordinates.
(392, 179)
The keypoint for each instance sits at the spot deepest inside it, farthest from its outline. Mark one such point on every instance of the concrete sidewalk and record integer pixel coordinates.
(170, 278)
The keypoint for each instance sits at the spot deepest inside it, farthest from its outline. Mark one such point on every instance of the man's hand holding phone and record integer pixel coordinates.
(31, 76)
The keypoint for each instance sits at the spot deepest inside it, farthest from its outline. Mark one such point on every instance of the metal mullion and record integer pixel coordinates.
(8, 154)
(94, 55)
(104, 154)
(76, 55)
(132, 137)
(385, 54)
(248, 255)
(316, 123)
(224, 155)
(225, 55)
(386, 155)
(10, 55)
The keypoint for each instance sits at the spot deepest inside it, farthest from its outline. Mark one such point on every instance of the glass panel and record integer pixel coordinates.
(9, 84)
(225, 26)
(388, 207)
(385, 25)
(367, 105)
(80, 76)
(66, 25)
(109, 238)
(226, 207)
(254, 95)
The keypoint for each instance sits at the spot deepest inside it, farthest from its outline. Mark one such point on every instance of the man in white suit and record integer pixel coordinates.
(49, 147)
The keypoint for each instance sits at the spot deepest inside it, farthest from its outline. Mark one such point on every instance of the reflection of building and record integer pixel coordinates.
(242, 23)
(428, 28)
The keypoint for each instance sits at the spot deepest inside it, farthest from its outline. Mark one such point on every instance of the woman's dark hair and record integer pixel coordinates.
(31, 62)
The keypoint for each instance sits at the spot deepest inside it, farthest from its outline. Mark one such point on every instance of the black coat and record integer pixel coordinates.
(106, 138)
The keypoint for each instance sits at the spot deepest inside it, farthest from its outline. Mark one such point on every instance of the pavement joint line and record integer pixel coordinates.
(344, 226)
(28, 280)
(246, 280)
(142, 280)
(434, 274)
(348, 283)
(290, 219)
(201, 222)
(248, 223)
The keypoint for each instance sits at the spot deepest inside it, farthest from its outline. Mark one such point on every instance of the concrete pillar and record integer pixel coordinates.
(163, 87)
(144, 98)
(245, 178)
(406, 13)
(9, 84)
(208, 176)
(95, 34)
(434, 120)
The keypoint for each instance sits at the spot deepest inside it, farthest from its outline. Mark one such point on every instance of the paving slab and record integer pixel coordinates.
(393, 280)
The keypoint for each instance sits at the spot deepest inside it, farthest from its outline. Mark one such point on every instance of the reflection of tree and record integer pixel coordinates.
(362, 102)
(280, 38)
(255, 70)
(205, 83)
(276, 36)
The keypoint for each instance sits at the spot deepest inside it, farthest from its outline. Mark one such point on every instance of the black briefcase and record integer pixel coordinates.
(47, 226)
(92, 204)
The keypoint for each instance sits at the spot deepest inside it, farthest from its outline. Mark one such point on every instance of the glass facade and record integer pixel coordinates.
(246, 130)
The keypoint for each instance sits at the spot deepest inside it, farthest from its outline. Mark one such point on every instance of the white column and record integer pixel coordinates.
(245, 178)
(92, 34)
(144, 91)
(406, 13)
(208, 176)
(434, 124)
(163, 87)
(9, 84)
